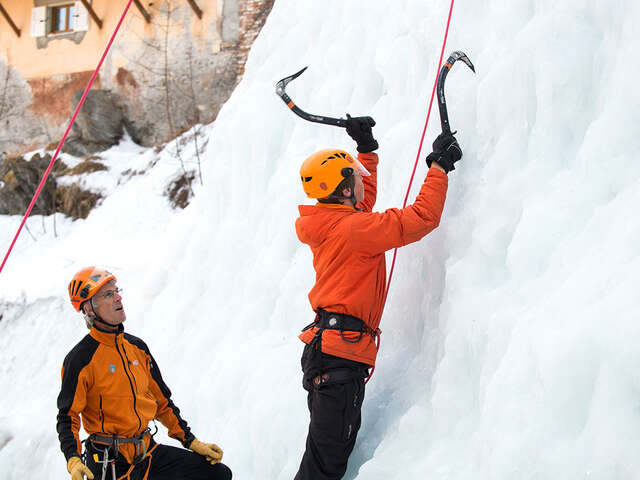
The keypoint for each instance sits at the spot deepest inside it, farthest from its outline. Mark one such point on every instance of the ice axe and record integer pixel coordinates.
(280, 91)
(442, 104)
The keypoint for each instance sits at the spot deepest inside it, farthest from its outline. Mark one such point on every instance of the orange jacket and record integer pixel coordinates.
(348, 255)
(113, 383)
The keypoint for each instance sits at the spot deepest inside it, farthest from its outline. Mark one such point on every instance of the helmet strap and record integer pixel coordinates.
(352, 182)
(92, 318)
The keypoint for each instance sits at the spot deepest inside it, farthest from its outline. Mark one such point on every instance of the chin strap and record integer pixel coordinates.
(88, 318)
(352, 186)
(91, 319)
(352, 182)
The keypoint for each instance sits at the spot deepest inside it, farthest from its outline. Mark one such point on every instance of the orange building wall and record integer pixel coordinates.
(164, 83)
(63, 56)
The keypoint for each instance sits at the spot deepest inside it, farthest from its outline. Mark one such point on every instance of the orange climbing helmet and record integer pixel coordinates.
(323, 171)
(86, 283)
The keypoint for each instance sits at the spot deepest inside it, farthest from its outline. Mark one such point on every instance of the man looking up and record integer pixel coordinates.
(348, 241)
(111, 381)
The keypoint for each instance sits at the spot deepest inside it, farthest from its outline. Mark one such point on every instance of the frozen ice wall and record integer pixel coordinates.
(508, 346)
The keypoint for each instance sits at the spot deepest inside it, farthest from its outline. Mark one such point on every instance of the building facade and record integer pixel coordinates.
(173, 64)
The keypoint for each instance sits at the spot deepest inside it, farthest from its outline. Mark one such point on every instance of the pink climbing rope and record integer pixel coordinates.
(64, 137)
(424, 131)
(415, 165)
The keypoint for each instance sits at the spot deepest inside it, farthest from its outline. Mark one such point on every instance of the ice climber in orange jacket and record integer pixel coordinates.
(111, 382)
(348, 241)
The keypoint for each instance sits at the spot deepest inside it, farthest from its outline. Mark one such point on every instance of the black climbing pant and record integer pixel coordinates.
(335, 395)
(163, 463)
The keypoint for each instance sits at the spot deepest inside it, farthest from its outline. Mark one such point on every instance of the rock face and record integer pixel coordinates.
(173, 73)
(75, 202)
(20, 178)
(179, 190)
(99, 125)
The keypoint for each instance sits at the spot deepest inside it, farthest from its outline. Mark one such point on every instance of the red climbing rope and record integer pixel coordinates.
(64, 137)
(424, 131)
(415, 165)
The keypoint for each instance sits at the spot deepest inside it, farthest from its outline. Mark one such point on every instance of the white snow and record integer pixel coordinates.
(508, 347)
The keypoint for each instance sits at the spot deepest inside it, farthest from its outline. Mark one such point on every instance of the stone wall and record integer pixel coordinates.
(253, 14)
(174, 79)
(19, 126)
(179, 74)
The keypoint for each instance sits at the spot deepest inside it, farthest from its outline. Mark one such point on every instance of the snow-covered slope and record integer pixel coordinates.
(508, 346)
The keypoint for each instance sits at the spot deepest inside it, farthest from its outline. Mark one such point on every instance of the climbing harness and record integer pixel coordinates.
(343, 323)
(109, 445)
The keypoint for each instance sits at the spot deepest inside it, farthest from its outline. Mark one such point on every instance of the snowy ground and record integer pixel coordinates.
(508, 347)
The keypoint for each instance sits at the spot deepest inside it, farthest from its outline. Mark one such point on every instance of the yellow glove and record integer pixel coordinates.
(77, 469)
(210, 451)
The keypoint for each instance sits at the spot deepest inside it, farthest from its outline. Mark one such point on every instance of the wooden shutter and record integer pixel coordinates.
(82, 18)
(38, 21)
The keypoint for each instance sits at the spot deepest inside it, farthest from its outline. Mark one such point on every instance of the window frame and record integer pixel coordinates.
(54, 12)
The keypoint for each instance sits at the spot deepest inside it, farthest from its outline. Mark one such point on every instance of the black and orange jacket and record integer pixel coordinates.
(113, 383)
(348, 255)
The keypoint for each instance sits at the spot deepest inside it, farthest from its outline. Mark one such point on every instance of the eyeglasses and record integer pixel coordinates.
(110, 294)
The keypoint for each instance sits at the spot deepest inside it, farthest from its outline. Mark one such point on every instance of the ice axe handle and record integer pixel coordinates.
(280, 91)
(338, 122)
(442, 104)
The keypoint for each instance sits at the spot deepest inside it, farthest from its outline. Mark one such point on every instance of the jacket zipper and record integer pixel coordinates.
(101, 414)
(130, 384)
(124, 350)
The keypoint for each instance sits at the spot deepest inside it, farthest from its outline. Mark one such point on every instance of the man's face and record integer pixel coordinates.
(107, 304)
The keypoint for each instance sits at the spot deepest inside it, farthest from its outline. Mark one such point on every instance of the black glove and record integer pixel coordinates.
(446, 152)
(359, 128)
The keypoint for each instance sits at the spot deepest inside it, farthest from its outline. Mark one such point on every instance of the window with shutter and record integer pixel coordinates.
(39, 22)
(63, 18)
(57, 17)
(82, 18)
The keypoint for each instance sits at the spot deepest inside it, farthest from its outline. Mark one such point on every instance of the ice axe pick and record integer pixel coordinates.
(280, 91)
(442, 104)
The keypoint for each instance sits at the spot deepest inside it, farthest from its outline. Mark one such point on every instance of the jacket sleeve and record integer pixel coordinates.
(71, 401)
(168, 413)
(375, 233)
(370, 162)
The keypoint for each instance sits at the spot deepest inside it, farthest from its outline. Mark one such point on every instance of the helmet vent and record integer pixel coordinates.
(306, 179)
(85, 292)
(324, 162)
(75, 286)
